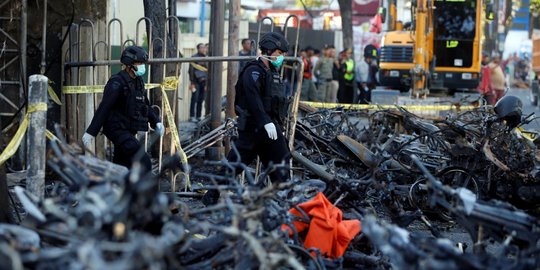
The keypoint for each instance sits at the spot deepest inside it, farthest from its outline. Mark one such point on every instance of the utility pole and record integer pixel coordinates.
(172, 39)
(232, 66)
(345, 9)
(216, 72)
(37, 124)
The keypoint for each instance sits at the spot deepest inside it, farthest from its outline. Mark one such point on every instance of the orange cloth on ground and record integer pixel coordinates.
(326, 231)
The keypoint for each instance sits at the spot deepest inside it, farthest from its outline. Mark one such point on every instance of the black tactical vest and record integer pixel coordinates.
(275, 102)
(135, 111)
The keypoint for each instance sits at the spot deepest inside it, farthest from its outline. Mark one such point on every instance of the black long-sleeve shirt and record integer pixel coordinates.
(193, 72)
(115, 101)
(253, 87)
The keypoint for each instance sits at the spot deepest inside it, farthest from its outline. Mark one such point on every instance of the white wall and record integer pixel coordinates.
(129, 12)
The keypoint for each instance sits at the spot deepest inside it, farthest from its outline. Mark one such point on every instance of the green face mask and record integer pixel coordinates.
(278, 62)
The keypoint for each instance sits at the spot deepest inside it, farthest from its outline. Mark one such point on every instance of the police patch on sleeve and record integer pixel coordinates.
(116, 85)
(255, 75)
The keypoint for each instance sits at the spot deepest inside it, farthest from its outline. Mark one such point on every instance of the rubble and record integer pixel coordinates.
(413, 183)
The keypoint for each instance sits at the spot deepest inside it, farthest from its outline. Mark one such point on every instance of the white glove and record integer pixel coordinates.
(87, 139)
(160, 129)
(271, 130)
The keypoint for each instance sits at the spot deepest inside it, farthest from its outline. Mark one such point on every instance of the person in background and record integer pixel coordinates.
(290, 75)
(331, 96)
(125, 110)
(309, 91)
(498, 82)
(361, 77)
(371, 55)
(485, 58)
(346, 77)
(314, 59)
(198, 74)
(246, 51)
(510, 66)
(522, 70)
(310, 51)
(324, 69)
(484, 88)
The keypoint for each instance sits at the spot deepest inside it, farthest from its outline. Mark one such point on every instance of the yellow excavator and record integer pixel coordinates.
(440, 49)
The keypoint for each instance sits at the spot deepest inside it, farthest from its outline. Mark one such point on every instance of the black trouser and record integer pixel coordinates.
(364, 96)
(195, 107)
(345, 92)
(125, 150)
(251, 144)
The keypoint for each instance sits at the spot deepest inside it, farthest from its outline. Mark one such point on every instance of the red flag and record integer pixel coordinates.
(376, 24)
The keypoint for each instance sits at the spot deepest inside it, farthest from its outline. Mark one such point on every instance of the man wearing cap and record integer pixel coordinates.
(198, 73)
(125, 110)
(262, 108)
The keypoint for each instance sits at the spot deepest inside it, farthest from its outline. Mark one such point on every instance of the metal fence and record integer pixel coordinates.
(89, 62)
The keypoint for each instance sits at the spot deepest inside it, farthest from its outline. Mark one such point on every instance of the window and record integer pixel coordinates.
(455, 19)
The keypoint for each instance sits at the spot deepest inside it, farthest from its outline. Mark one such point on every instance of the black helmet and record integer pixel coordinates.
(273, 41)
(133, 54)
(370, 51)
(509, 108)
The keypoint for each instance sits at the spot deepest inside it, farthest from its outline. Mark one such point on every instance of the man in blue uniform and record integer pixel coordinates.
(125, 110)
(262, 107)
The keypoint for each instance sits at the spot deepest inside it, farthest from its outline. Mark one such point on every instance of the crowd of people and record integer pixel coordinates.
(497, 75)
(520, 68)
(331, 78)
(327, 78)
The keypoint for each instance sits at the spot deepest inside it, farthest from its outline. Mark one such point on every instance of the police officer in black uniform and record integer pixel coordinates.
(261, 106)
(125, 110)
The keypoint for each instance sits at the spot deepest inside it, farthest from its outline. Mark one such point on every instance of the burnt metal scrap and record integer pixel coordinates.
(125, 223)
(470, 172)
(415, 184)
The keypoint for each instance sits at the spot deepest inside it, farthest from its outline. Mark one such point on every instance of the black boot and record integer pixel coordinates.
(211, 197)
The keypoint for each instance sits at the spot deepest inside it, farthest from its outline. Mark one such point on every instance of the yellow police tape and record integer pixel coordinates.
(529, 135)
(323, 105)
(52, 94)
(51, 136)
(199, 67)
(169, 83)
(15, 142)
(176, 136)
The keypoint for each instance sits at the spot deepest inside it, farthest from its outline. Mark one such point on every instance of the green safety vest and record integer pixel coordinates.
(350, 70)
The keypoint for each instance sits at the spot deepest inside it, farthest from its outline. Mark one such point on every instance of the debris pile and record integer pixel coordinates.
(473, 172)
(416, 186)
